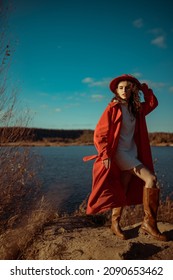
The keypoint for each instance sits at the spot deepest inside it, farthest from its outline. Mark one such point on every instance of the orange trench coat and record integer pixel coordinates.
(107, 191)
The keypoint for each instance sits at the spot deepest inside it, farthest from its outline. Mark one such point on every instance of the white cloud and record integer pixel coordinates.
(138, 23)
(87, 80)
(159, 41)
(171, 89)
(156, 31)
(159, 35)
(137, 74)
(44, 106)
(97, 97)
(93, 83)
(152, 84)
(102, 83)
(58, 110)
(71, 105)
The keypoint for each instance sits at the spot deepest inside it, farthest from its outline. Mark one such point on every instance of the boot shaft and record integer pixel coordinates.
(151, 202)
(115, 227)
(116, 214)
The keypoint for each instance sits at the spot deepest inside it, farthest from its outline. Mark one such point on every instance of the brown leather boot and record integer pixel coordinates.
(151, 204)
(115, 227)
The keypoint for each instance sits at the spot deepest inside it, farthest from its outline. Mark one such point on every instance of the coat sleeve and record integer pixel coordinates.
(101, 134)
(150, 102)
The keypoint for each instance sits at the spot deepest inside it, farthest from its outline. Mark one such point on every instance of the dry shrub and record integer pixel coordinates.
(19, 186)
(135, 214)
(165, 211)
(14, 241)
(23, 208)
(131, 214)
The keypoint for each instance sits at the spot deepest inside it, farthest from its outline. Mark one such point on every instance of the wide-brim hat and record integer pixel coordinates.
(125, 77)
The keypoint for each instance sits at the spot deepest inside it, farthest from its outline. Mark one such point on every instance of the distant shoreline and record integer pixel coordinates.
(64, 144)
(35, 137)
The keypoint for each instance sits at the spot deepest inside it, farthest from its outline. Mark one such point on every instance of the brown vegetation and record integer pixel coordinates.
(54, 137)
(25, 240)
(162, 138)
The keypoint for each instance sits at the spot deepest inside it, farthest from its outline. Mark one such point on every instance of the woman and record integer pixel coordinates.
(123, 172)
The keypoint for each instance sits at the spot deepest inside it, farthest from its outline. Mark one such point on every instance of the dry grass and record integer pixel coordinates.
(131, 214)
(14, 241)
(17, 238)
(23, 208)
(19, 186)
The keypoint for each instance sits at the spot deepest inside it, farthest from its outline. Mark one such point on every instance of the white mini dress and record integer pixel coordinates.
(126, 153)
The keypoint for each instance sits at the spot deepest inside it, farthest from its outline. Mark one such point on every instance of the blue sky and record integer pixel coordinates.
(68, 51)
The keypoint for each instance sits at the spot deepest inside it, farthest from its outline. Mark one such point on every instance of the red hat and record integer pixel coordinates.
(125, 77)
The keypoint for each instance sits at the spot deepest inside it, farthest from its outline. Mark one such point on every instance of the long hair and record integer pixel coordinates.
(134, 103)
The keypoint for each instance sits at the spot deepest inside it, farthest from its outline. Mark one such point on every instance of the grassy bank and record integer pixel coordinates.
(60, 137)
(18, 236)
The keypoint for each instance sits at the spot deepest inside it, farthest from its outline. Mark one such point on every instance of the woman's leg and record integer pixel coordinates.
(150, 202)
(146, 175)
(116, 212)
(143, 173)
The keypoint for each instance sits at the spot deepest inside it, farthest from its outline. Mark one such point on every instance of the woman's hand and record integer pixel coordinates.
(107, 163)
(144, 88)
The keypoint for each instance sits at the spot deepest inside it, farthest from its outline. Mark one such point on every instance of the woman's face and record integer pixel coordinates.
(124, 90)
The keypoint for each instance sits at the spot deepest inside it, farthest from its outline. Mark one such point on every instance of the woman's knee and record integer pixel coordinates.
(146, 175)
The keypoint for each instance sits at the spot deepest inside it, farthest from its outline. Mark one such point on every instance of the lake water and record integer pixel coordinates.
(67, 179)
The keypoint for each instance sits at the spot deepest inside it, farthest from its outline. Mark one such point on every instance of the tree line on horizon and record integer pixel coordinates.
(78, 136)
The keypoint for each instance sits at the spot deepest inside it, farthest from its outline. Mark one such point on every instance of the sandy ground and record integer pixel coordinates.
(78, 238)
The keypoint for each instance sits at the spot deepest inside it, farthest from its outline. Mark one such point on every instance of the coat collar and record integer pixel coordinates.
(114, 103)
